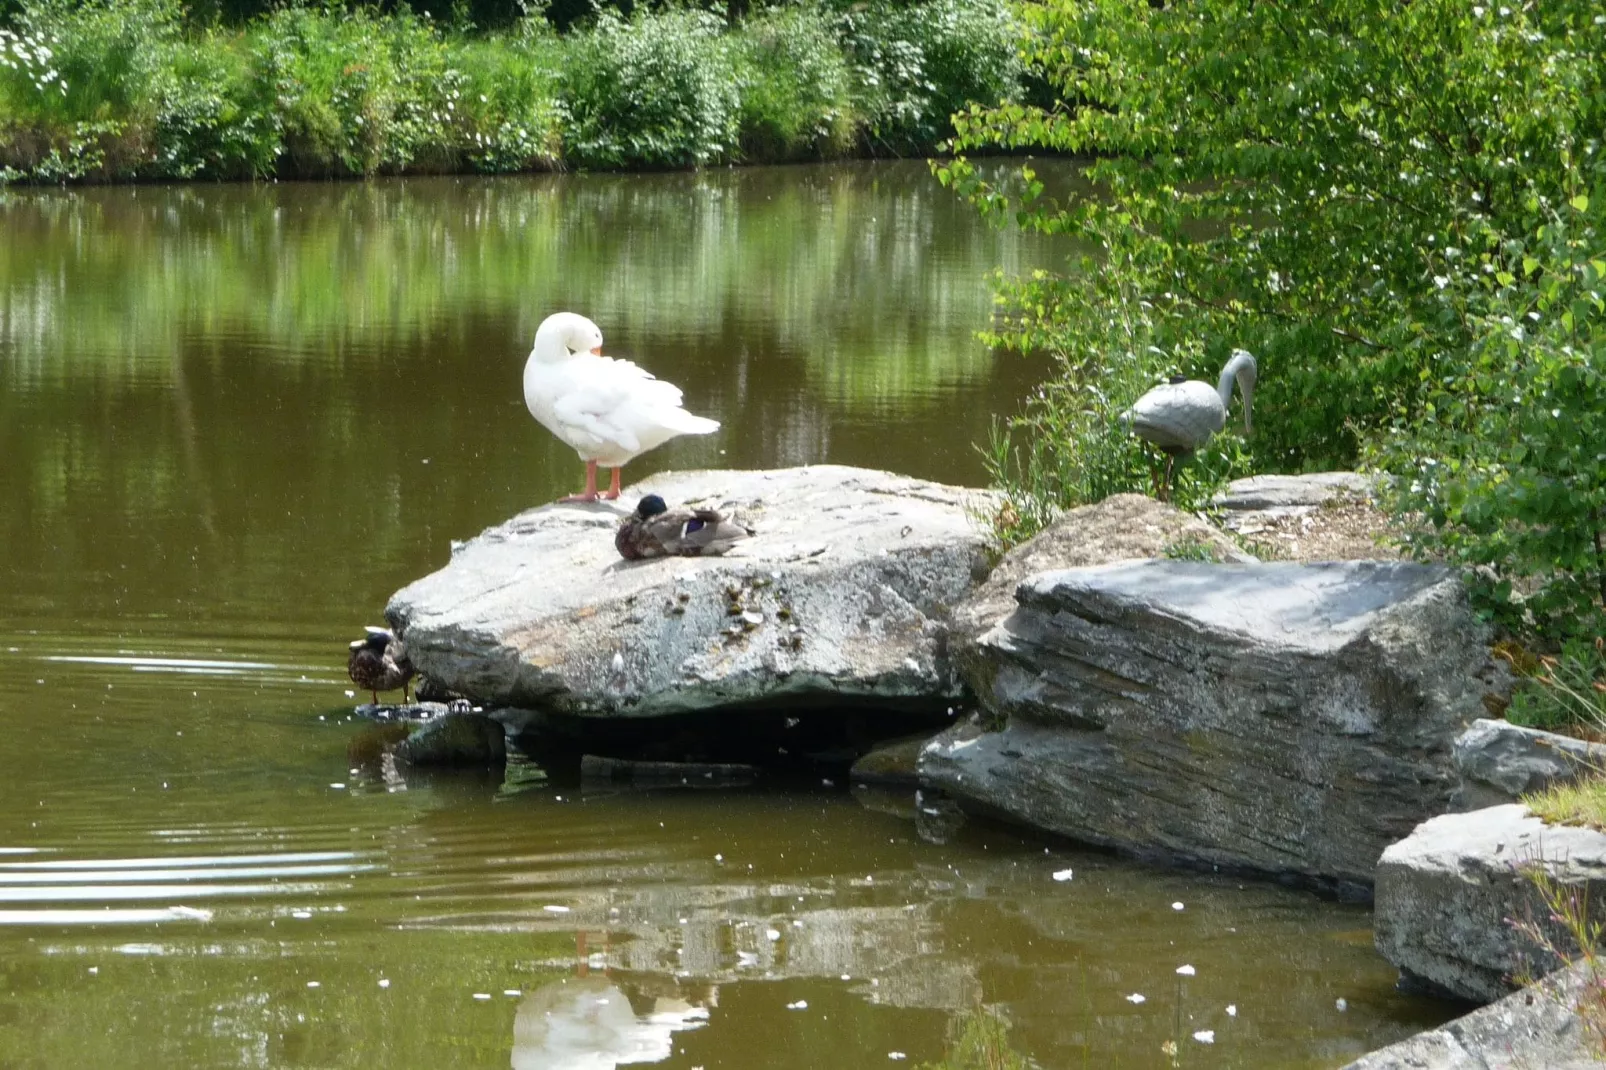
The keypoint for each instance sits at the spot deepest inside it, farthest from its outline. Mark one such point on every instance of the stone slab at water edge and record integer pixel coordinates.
(842, 594)
(1288, 718)
(1446, 894)
(1538, 1028)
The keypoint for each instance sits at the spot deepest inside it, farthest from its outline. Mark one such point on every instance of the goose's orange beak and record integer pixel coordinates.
(596, 351)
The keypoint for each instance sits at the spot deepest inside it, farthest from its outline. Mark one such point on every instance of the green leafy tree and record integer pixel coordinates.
(1306, 180)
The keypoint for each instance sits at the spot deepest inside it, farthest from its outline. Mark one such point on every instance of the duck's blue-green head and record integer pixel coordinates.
(650, 505)
(379, 638)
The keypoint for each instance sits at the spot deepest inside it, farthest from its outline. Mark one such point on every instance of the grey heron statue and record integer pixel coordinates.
(1182, 415)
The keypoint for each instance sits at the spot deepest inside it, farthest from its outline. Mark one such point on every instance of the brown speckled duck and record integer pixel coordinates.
(655, 530)
(379, 663)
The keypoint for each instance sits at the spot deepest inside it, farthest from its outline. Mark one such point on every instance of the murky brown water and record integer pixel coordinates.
(233, 420)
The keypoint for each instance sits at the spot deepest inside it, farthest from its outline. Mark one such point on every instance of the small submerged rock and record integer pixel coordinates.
(463, 739)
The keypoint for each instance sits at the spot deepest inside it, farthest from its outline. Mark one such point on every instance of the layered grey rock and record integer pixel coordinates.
(1122, 527)
(1293, 719)
(1448, 893)
(1537, 1028)
(842, 595)
(1499, 762)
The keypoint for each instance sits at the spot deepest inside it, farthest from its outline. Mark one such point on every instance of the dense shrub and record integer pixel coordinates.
(356, 92)
(1325, 185)
(510, 98)
(106, 89)
(796, 90)
(79, 85)
(654, 91)
(917, 64)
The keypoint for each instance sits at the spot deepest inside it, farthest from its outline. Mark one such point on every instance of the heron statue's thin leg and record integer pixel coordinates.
(1165, 485)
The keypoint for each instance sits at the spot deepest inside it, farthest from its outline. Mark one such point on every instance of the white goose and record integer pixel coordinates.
(609, 410)
(1183, 415)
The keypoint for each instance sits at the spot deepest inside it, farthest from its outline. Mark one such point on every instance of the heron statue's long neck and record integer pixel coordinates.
(1240, 369)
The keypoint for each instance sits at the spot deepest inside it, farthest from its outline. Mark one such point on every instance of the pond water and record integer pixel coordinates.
(234, 419)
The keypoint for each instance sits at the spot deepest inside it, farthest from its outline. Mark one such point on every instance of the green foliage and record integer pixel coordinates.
(111, 89)
(1566, 693)
(79, 83)
(654, 91)
(796, 95)
(1324, 185)
(510, 98)
(918, 64)
(1508, 465)
(355, 92)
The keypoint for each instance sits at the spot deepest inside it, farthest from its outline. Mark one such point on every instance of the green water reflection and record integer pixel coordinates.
(234, 419)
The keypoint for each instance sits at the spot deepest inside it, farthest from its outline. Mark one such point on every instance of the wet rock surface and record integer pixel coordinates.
(1291, 719)
(1446, 895)
(1500, 762)
(1537, 1028)
(842, 595)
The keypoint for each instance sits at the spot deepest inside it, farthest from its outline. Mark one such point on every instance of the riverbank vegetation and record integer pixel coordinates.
(152, 89)
(1399, 209)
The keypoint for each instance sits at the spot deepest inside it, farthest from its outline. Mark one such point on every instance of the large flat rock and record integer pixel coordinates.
(1446, 896)
(1538, 1028)
(842, 595)
(1122, 527)
(1288, 718)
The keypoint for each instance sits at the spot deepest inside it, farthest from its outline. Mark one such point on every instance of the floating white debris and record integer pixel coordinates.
(800, 1005)
(303, 914)
(511, 992)
(482, 995)
(553, 908)
(1177, 906)
(772, 934)
(384, 982)
(1205, 1036)
(1137, 997)
(351, 694)
(1342, 1004)
(338, 786)
(719, 858)
(1185, 970)
(895, 1056)
(1059, 874)
(314, 984)
(1232, 1010)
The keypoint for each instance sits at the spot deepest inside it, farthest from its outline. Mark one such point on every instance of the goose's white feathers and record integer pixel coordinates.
(609, 410)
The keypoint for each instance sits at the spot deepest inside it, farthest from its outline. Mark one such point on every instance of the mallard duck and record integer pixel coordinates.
(1184, 414)
(379, 663)
(655, 530)
(609, 410)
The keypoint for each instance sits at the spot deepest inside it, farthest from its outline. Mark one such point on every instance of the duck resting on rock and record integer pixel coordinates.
(655, 530)
(609, 410)
(379, 663)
